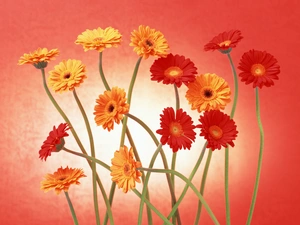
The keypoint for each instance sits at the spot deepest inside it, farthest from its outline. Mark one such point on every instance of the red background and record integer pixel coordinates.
(27, 115)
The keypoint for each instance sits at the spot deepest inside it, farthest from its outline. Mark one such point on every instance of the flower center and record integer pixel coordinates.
(258, 70)
(127, 169)
(173, 71)
(67, 75)
(110, 107)
(98, 40)
(225, 43)
(176, 129)
(207, 93)
(215, 131)
(62, 178)
(149, 43)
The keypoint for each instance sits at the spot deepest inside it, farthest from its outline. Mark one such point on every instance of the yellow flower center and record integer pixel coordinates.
(176, 129)
(207, 93)
(127, 170)
(98, 40)
(258, 70)
(215, 131)
(173, 71)
(225, 43)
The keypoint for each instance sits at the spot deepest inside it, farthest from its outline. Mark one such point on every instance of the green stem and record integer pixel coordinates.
(203, 185)
(102, 73)
(140, 217)
(88, 157)
(190, 179)
(211, 214)
(77, 140)
(91, 139)
(260, 157)
(71, 208)
(226, 171)
(164, 159)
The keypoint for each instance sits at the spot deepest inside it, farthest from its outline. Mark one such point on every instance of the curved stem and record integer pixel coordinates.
(211, 214)
(203, 185)
(71, 208)
(226, 171)
(102, 73)
(260, 157)
(88, 128)
(87, 157)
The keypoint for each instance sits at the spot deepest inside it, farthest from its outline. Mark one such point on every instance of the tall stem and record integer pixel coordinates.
(102, 73)
(260, 157)
(71, 208)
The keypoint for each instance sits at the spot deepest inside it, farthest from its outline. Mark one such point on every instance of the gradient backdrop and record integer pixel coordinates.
(27, 115)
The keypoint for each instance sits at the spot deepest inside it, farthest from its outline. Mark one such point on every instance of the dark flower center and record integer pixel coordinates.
(67, 76)
(208, 93)
(111, 108)
(62, 178)
(127, 169)
(149, 43)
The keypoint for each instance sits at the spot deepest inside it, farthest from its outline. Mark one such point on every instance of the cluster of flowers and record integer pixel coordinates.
(207, 93)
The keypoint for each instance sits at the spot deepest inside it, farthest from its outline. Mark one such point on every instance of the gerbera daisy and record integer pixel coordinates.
(62, 179)
(207, 92)
(173, 69)
(147, 42)
(110, 108)
(218, 129)
(67, 75)
(225, 41)
(99, 39)
(259, 68)
(123, 169)
(176, 129)
(39, 58)
(55, 141)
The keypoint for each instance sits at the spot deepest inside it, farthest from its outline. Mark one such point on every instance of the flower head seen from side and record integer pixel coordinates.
(208, 92)
(123, 169)
(173, 69)
(55, 141)
(259, 68)
(39, 58)
(67, 75)
(111, 107)
(218, 129)
(99, 39)
(149, 42)
(62, 179)
(177, 129)
(225, 41)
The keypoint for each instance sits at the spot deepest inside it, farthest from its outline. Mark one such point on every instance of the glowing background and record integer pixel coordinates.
(27, 115)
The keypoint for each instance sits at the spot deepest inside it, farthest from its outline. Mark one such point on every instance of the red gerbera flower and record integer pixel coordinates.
(225, 41)
(55, 141)
(218, 129)
(173, 69)
(177, 130)
(259, 68)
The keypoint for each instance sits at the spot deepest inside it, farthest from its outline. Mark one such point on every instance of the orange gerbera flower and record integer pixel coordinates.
(62, 179)
(225, 41)
(259, 68)
(55, 141)
(39, 58)
(207, 92)
(67, 75)
(99, 39)
(123, 169)
(149, 42)
(218, 129)
(173, 70)
(176, 129)
(110, 108)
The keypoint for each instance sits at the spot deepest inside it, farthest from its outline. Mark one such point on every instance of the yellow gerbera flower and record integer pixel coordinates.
(99, 39)
(208, 92)
(39, 58)
(62, 179)
(110, 108)
(147, 41)
(123, 169)
(67, 75)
